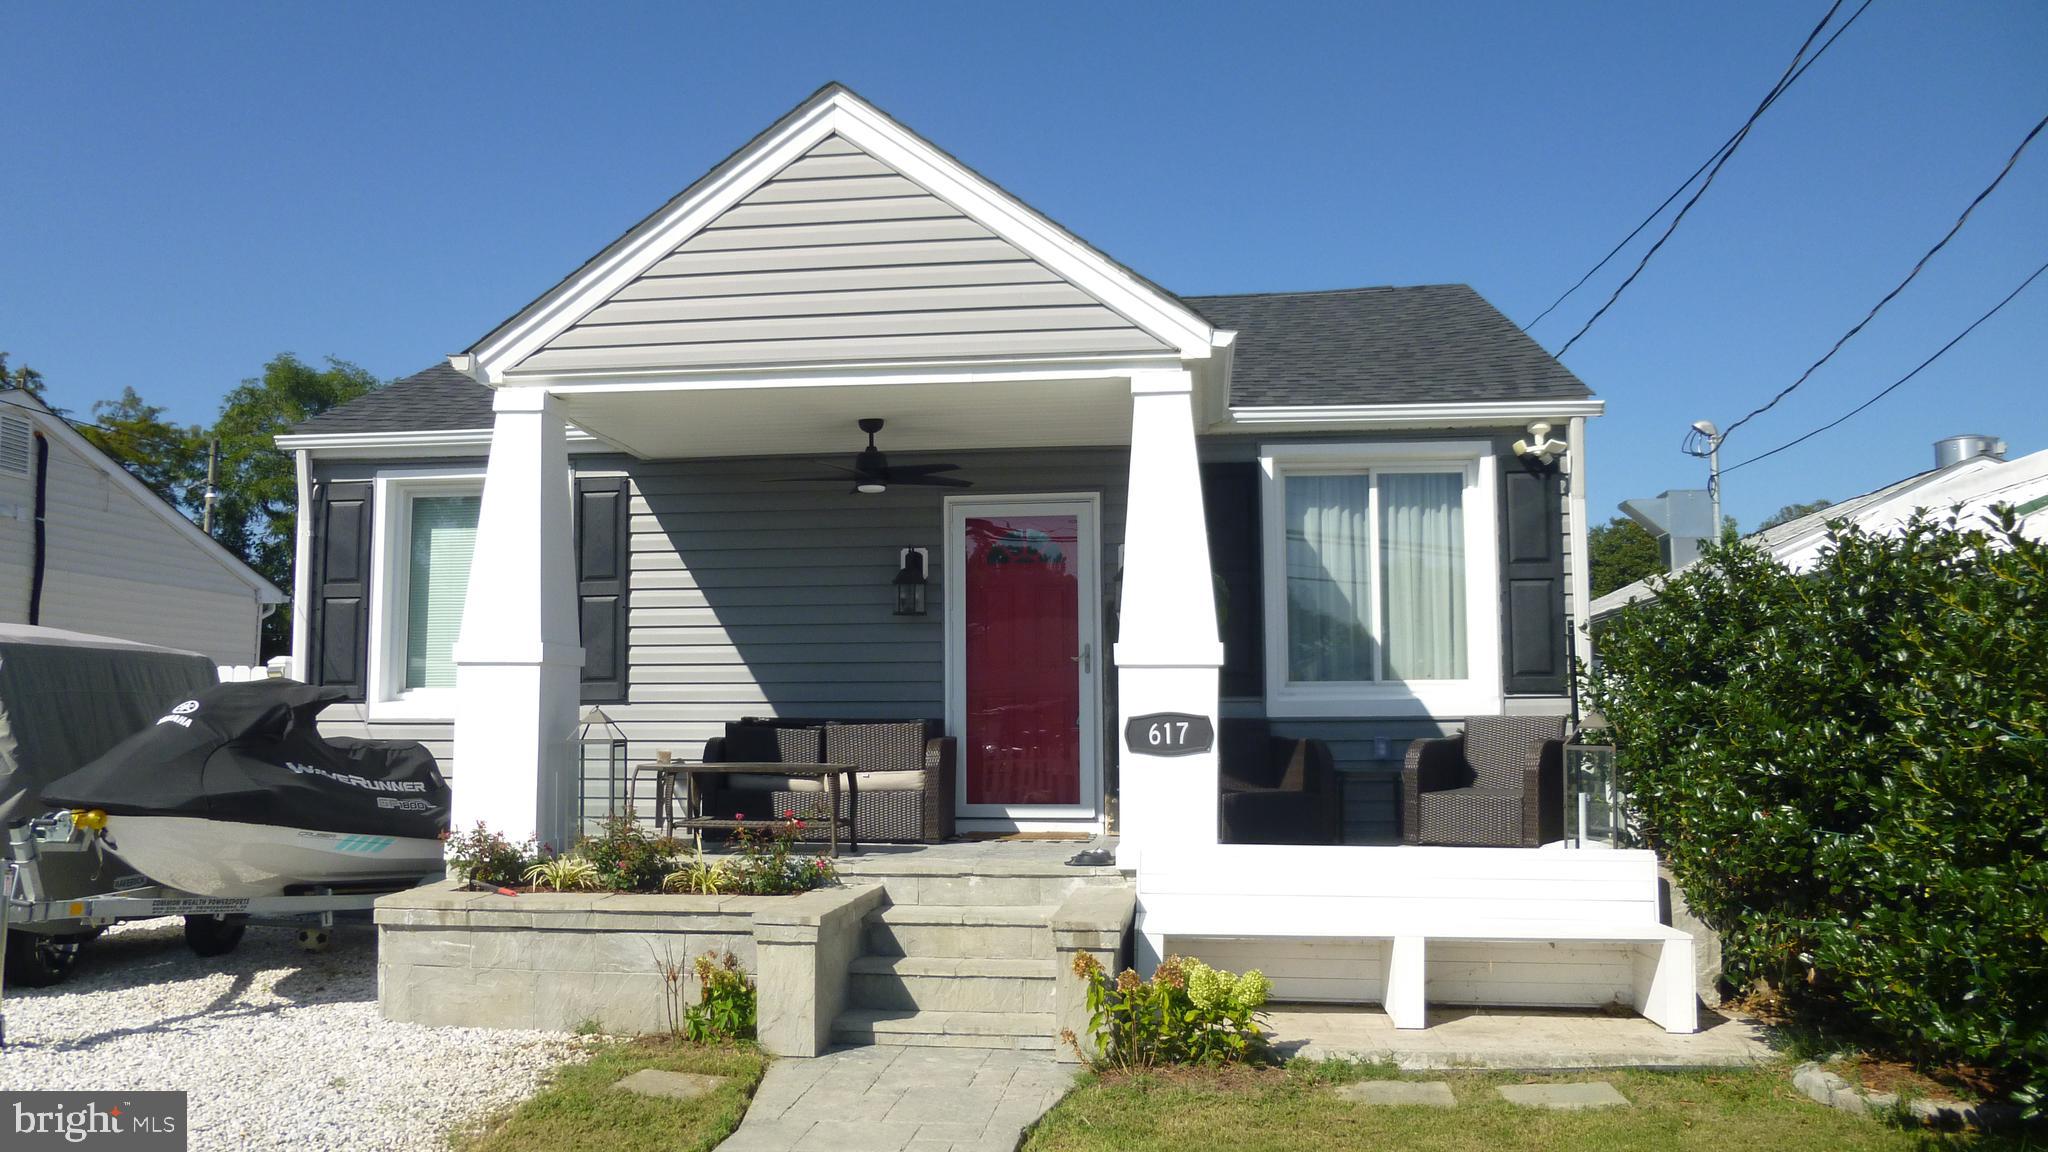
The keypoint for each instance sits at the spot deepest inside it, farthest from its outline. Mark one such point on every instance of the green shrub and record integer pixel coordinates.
(1847, 771)
(485, 859)
(1187, 1013)
(726, 1002)
(564, 874)
(628, 858)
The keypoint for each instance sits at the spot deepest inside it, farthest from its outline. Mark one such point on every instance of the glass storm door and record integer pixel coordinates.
(1021, 597)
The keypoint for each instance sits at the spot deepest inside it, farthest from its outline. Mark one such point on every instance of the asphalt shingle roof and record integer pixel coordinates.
(1421, 344)
(439, 399)
(1433, 343)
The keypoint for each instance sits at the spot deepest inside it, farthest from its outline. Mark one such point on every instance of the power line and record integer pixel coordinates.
(1727, 154)
(1894, 385)
(1787, 390)
(1704, 165)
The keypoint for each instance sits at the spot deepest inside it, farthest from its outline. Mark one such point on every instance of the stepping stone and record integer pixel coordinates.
(1423, 1094)
(1565, 1097)
(670, 1085)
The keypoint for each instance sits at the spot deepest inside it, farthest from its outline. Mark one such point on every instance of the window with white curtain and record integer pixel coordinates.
(443, 532)
(425, 542)
(1380, 570)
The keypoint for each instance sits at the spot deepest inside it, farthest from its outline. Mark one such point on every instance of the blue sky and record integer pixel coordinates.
(190, 189)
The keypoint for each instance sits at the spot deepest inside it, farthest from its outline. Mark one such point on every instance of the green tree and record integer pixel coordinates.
(1620, 553)
(1791, 512)
(25, 378)
(256, 514)
(169, 458)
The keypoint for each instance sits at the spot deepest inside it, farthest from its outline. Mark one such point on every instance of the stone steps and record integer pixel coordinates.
(1003, 932)
(1021, 1031)
(952, 983)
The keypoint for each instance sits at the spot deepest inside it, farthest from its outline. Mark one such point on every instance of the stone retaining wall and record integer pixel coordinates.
(560, 961)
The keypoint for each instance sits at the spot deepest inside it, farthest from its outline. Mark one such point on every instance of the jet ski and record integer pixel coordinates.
(235, 793)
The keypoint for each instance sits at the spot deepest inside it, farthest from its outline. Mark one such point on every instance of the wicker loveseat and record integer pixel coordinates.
(1497, 784)
(905, 773)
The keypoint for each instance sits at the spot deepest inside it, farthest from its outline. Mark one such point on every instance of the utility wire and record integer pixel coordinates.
(1894, 385)
(1727, 154)
(1704, 165)
(1788, 389)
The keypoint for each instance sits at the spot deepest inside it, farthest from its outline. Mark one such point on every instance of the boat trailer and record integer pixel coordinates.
(213, 924)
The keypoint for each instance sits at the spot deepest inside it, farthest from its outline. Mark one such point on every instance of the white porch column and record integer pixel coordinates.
(517, 662)
(1167, 652)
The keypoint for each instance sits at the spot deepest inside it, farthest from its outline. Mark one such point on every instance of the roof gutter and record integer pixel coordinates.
(1427, 415)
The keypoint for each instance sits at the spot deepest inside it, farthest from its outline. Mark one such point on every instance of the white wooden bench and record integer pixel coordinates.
(1413, 896)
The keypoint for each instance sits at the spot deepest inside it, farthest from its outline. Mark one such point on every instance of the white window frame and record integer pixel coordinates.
(385, 696)
(1479, 692)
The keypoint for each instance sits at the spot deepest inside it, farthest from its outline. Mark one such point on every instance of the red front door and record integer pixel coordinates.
(1022, 582)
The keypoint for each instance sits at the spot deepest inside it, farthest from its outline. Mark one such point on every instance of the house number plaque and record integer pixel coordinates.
(1169, 734)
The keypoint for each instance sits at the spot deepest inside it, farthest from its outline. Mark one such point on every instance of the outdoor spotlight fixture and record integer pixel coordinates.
(910, 581)
(1540, 445)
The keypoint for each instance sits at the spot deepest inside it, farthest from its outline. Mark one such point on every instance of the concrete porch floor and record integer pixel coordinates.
(1523, 1038)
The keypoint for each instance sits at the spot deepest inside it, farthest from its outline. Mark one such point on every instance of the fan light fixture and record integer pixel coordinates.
(872, 473)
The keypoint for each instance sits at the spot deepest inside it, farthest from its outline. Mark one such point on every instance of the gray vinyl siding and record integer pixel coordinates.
(113, 566)
(839, 257)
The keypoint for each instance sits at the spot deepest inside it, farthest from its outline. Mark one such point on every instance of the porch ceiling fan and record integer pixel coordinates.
(872, 473)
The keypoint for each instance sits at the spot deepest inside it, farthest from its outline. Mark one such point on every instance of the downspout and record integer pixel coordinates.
(40, 549)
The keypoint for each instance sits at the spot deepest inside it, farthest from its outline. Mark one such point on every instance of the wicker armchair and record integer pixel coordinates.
(904, 775)
(1276, 790)
(1498, 784)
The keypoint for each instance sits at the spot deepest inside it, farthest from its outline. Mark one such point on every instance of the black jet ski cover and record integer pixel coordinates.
(252, 753)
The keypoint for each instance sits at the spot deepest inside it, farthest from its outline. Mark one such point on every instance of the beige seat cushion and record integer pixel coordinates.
(900, 781)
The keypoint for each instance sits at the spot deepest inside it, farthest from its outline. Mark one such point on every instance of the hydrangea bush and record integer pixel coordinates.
(1187, 1013)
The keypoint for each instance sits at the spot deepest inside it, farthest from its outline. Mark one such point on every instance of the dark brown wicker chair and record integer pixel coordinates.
(1276, 790)
(1498, 784)
(905, 774)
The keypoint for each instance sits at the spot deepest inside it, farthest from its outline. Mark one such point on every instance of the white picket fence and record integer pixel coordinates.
(278, 668)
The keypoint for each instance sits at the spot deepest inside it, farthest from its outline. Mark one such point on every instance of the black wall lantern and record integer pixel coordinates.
(910, 582)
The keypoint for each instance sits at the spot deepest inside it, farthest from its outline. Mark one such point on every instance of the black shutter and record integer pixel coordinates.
(602, 525)
(340, 588)
(1230, 505)
(1533, 596)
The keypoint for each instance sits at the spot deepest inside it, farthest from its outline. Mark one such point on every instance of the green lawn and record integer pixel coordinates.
(579, 1111)
(1278, 1110)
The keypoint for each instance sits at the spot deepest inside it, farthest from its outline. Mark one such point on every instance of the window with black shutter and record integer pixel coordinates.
(1230, 505)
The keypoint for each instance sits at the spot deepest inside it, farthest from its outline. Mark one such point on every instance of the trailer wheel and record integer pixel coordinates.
(214, 935)
(36, 960)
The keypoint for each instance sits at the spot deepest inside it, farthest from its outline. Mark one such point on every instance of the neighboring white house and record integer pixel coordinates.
(641, 491)
(87, 547)
(1970, 478)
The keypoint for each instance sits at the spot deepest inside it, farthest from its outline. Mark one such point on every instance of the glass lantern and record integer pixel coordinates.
(1592, 797)
(601, 771)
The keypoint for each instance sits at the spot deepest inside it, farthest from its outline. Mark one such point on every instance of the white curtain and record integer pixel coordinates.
(1422, 549)
(1329, 574)
(443, 540)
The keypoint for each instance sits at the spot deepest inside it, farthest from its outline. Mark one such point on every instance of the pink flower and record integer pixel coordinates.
(739, 815)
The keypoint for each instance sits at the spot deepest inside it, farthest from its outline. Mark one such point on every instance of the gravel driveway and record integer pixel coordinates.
(278, 1048)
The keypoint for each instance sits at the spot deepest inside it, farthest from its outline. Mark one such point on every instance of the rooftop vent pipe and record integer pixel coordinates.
(1956, 449)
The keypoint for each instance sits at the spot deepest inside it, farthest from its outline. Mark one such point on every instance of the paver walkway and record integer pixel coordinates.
(890, 1099)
